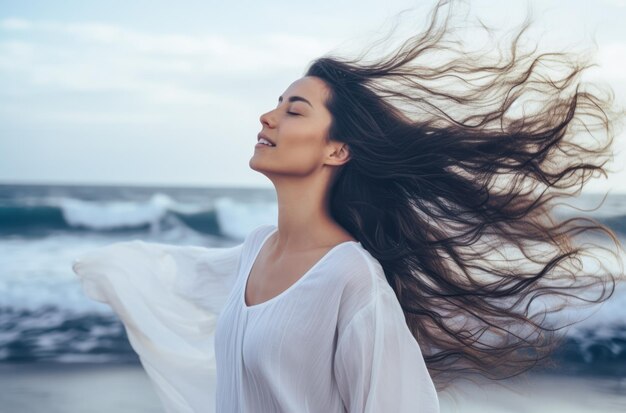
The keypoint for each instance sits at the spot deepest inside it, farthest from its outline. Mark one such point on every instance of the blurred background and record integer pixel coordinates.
(136, 120)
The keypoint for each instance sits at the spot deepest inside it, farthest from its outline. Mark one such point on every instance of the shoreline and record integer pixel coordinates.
(125, 388)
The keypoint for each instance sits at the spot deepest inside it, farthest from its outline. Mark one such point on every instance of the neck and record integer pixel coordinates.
(304, 220)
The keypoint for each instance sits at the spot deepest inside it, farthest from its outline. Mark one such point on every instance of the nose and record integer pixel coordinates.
(267, 119)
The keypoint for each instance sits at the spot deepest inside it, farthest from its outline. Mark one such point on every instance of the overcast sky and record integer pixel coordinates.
(145, 92)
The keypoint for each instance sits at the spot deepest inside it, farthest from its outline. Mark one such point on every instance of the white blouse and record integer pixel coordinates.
(334, 341)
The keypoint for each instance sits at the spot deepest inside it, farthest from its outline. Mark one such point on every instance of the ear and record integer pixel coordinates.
(340, 153)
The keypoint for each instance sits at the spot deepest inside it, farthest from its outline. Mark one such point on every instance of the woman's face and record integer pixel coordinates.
(298, 126)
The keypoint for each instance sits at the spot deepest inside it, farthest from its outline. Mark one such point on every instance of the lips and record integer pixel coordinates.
(261, 135)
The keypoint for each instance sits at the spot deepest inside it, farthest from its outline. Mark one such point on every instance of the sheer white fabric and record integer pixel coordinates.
(335, 341)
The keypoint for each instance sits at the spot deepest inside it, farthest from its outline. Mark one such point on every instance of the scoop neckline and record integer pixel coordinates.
(292, 286)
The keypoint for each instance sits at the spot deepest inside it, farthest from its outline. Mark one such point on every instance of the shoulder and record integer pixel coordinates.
(362, 281)
(357, 265)
(258, 234)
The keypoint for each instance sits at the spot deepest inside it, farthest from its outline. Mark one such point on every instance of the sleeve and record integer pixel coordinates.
(378, 364)
(168, 299)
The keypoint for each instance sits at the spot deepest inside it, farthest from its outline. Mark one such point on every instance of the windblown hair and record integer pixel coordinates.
(456, 160)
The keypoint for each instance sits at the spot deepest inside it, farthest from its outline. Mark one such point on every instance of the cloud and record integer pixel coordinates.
(262, 48)
(612, 60)
(174, 68)
(617, 3)
(15, 24)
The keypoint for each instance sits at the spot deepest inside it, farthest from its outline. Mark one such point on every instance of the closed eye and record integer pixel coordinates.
(293, 113)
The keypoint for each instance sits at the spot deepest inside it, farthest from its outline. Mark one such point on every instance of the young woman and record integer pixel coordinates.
(414, 232)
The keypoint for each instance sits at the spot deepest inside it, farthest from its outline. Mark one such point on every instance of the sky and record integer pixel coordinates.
(146, 92)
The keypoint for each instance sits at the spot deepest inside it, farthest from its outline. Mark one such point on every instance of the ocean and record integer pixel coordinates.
(45, 317)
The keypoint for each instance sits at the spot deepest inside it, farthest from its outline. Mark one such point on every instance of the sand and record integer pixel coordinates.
(89, 388)
(84, 388)
(538, 393)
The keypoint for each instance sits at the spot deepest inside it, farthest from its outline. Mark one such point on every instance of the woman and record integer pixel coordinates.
(409, 207)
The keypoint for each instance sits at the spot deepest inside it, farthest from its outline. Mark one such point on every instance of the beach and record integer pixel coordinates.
(125, 388)
(62, 352)
(80, 388)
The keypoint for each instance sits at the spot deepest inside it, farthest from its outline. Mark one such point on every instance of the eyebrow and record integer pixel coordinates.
(295, 99)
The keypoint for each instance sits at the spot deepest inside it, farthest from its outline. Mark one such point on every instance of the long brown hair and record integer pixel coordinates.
(457, 161)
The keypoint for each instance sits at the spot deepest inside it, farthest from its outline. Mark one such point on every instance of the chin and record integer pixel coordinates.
(253, 164)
